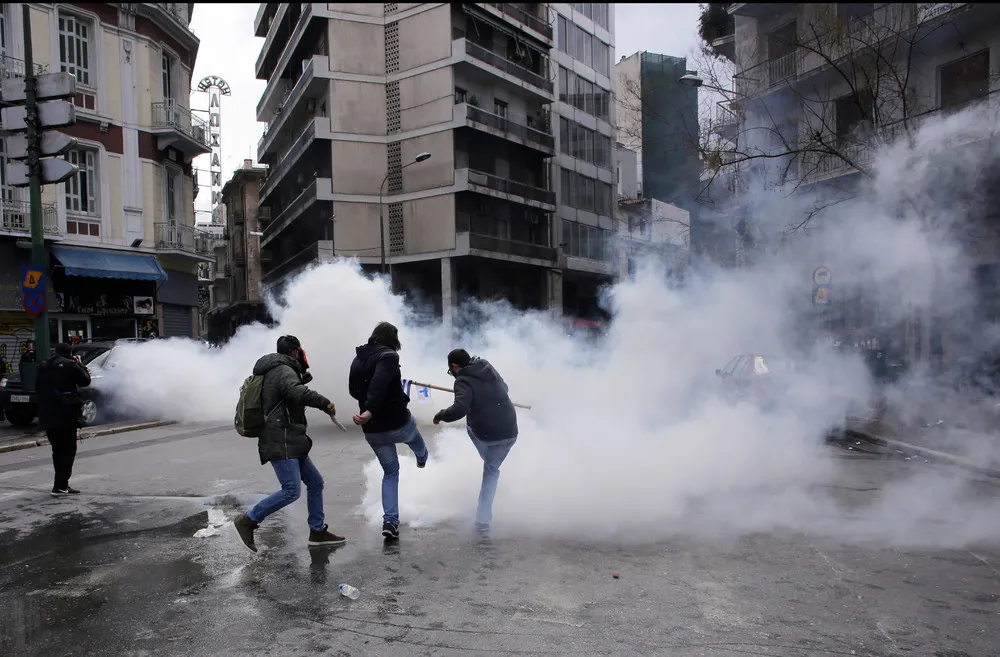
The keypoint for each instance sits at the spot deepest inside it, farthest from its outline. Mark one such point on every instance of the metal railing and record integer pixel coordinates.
(276, 173)
(515, 11)
(511, 247)
(170, 114)
(17, 217)
(499, 61)
(498, 184)
(510, 126)
(298, 261)
(181, 237)
(291, 97)
(12, 67)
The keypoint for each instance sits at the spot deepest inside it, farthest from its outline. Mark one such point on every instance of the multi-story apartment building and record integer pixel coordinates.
(236, 289)
(784, 52)
(121, 237)
(512, 102)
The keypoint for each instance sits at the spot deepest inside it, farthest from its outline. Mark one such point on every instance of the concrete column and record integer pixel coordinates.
(554, 281)
(448, 296)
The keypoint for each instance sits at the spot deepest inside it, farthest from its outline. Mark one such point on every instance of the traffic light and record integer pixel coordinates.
(51, 113)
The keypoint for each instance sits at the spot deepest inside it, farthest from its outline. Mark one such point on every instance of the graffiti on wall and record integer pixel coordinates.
(15, 332)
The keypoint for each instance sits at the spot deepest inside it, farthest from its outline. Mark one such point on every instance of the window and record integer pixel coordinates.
(74, 48)
(582, 241)
(855, 114)
(3, 27)
(563, 85)
(584, 143)
(602, 57)
(601, 14)
(460, 95)
(848, 11)
(965, 79)
(500, 108)
(584, 193)
(584, 95)
(83, 213)
(562, 36)
(171, 185)
(168, 73)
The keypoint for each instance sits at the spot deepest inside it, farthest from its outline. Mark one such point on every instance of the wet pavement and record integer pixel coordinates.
(117, 571)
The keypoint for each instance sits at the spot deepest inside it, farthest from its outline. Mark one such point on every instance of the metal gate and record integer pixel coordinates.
(177, 321)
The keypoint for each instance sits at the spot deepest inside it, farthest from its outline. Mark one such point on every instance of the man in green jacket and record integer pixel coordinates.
(284, 443)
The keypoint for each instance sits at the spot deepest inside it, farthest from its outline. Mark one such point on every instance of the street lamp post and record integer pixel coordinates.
(381, 216)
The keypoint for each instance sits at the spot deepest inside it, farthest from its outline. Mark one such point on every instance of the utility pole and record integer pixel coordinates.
(24, 123)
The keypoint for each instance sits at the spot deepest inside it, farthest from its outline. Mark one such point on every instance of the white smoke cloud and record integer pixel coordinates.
(633, 441)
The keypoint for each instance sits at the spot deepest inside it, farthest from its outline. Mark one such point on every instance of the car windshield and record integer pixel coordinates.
(772, 365)
(88, 352)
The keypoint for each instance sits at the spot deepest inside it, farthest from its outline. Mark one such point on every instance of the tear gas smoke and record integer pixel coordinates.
(631, 440)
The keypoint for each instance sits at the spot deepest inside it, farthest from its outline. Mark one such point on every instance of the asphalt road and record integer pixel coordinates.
(118, 572)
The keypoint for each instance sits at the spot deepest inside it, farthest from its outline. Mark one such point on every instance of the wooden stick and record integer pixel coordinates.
(434, 387)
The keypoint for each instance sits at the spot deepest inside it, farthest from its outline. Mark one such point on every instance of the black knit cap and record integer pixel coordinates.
(459, 357)
(287, 344)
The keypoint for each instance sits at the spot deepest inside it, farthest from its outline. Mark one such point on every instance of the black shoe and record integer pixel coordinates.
(325, 537)
(390, 531)
(483, 530)
(245, 527)
(420, 463)
(60, 492)
(72, 491)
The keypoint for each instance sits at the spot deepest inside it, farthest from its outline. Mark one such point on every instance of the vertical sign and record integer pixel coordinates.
(216, 88)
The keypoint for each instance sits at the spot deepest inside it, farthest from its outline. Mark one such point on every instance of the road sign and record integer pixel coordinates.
(48, 86)
(52, 144)
(822, 295)
(32, 279)
(822, 276)
(53, 114)
(54, 171)
(34, 302)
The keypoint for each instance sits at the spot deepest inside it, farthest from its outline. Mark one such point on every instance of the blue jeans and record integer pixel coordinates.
(384, 445)
(290, 473)
(493, 453)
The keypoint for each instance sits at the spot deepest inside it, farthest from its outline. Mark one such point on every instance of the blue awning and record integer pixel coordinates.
(108, 264)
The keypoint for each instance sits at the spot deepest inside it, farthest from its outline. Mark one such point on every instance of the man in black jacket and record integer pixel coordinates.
(375, 381)
(481, 396)
(284, 443)
(58, 388)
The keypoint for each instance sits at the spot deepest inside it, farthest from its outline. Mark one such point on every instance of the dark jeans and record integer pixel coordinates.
(63, 443)
(384, 444)
(292, 473)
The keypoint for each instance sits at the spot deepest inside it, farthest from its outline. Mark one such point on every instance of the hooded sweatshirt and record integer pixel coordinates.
(285, 397)
(376, 382)
(481, 397)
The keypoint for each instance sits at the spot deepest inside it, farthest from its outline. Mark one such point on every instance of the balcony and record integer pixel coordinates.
(516, 12)
(276, 39)
(12, 67)
(762, 77)
(265, 15)
(317, 128)
(184, 240)
(516, 75)
(17, 219)
(320, 190)
(491, 185)
(263, 216)
(511, 247)
(755, 9)
(176, 126)
(321, 251)
(509, 127)
(308, 85)
(275, 75)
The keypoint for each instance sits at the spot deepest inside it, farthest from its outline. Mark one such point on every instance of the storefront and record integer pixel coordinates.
(103, 295)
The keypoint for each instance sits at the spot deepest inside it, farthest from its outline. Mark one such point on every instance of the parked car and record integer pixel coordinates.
(20, 403)
(757, 378)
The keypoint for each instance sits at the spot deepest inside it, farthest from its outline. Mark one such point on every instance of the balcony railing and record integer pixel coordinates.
(293, 95)
(298, 261)
(511, 247)
(515, 11)
(498, 184)
(276, 173)
(17, 217)
(510, 126)
(170, 114)
(181, 237)
(499, 61)
(12, 67)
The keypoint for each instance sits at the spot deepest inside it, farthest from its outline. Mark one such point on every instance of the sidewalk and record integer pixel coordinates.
(16, 438)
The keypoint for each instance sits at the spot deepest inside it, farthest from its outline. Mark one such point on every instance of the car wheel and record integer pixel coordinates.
(88, 413)
(20, 415)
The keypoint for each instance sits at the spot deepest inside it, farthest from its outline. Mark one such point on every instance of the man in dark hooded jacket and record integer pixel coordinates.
(284, 443)
(375, 381)
(481, 397)
(60, 378)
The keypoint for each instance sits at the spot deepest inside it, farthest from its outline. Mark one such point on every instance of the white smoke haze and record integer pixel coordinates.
(631, 440)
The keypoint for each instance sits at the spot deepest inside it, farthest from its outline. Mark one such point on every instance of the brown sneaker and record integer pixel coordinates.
(325, 538)
(245, 527)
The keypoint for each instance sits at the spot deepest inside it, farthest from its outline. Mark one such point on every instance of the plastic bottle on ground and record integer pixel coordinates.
(348, 591)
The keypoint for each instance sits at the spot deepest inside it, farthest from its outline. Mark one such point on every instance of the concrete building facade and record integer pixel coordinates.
(356, 92)
(123, 248)
(236, 288)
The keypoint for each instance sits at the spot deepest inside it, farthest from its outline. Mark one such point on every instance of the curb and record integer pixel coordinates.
(86, 435)
(923, 451)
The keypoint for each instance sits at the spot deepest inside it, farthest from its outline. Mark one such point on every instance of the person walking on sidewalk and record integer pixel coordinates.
(481, 396)
(57, 385)
(376, 382)
(284, 443)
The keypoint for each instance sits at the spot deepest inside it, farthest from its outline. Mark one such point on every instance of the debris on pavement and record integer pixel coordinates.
(616, 575)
